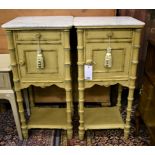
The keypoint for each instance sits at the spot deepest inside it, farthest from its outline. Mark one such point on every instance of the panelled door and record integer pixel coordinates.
(95, 53)
(53, 57)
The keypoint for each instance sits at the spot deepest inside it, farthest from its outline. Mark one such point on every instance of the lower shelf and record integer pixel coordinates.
(103, 118)
(50, 118)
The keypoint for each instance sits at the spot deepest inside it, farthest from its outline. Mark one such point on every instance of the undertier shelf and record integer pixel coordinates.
(103, 118)
(50, 118)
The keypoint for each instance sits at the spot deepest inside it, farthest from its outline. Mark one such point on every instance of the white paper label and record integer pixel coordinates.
(88, 72)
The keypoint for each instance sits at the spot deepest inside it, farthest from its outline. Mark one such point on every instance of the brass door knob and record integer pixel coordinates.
(90, 62)
(21, 62)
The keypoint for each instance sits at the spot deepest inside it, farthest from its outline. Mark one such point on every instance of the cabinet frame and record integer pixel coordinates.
(66, 122)
(87, 116)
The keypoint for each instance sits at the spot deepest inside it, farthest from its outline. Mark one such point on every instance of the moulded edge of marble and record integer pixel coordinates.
(107, 21)
(40, 22)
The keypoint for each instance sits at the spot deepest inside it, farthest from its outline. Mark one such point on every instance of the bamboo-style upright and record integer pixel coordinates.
(119, 96)
(68, 83)
(81, 81)
(132, 78)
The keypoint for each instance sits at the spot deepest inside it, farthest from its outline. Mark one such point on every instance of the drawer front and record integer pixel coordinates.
(121, 53)
(104, 33)
(33, 35)
(53, 57)
(5, 81)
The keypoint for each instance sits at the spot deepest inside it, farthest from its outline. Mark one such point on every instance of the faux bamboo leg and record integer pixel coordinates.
(68, 84)
(21, 112)
(69, 114)
(81, 114)
(119, 96)
(129, 108)
(132, 76)
(81, 82)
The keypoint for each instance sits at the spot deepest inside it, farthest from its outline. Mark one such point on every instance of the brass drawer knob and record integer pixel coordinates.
(109, 34)
(38, 36)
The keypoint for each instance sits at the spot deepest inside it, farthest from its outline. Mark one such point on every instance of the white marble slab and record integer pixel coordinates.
(107, 21)
(40, 22)
(5, 62)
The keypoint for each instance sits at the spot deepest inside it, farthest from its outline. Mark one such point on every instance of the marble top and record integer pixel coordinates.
(5, 62)
(40, 22)
(107, 21)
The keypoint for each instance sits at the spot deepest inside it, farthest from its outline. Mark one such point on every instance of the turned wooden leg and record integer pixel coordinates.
(119, 96)
(68, 86)
(129, 108)
(69, 114)
(80, 48)
(21, 113)
(132, 77)
(81, 114)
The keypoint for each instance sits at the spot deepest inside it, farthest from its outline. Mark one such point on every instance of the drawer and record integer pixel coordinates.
(4, 81)
(33, 35)
(104, 33)
(53, 58)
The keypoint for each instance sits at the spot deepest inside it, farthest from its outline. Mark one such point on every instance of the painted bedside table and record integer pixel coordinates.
(40, 56)
(107, 54)
(6, 89)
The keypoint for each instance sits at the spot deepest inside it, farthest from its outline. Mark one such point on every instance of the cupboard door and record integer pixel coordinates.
(120, 53)
(53, 57)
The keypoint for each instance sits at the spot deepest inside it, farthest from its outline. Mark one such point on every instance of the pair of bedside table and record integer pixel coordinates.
(107, 54)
